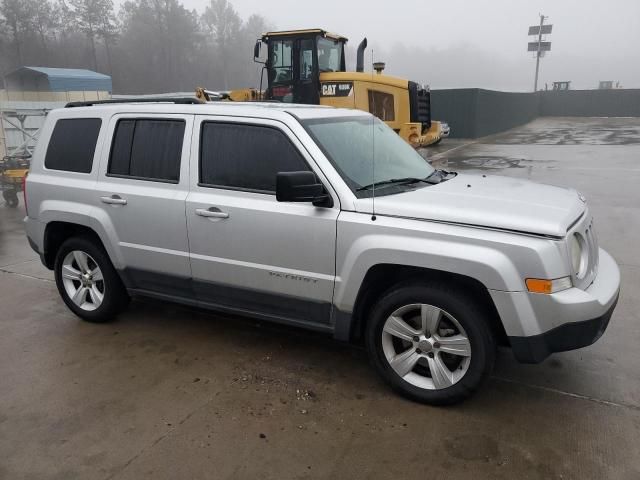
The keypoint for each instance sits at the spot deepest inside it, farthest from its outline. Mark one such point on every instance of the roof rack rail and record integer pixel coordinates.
(177, 100)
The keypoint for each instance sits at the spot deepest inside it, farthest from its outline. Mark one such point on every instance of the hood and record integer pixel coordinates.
(487, 201)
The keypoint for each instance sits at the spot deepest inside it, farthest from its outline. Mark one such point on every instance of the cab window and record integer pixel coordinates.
(306, 59)
(282, 61)
(329, 55)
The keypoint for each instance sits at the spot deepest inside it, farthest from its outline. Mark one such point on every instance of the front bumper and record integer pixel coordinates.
(413, 133)
(538, 324)
(569, 336)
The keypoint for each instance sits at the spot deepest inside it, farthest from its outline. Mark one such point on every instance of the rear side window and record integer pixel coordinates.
(246, 157)
(147, 149)
(73, 144)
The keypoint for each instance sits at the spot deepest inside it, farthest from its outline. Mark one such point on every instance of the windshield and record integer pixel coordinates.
(351, 144)
(329, 55)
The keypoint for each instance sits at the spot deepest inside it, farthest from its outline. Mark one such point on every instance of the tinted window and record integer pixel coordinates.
(121, 148)
(244, 156)
(72, 145)
(147, 149)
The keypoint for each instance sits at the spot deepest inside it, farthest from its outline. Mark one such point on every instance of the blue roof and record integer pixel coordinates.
(69, 79)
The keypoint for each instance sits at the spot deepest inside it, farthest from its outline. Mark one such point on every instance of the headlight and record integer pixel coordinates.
(578, 255)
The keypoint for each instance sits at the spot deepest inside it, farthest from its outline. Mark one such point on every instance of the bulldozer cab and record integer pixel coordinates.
(295, 60)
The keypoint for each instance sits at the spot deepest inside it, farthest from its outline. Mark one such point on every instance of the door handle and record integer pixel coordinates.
(114, 200)
(212, 212)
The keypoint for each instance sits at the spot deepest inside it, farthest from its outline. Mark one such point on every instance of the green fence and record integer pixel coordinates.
(474, 112)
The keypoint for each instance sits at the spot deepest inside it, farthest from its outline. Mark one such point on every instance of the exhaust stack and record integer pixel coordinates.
(360, 56)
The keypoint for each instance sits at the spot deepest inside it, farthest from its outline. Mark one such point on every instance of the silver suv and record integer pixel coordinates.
(319, 218)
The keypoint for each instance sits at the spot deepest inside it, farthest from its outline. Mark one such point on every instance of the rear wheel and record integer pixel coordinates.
(430, 343)
(87, 281)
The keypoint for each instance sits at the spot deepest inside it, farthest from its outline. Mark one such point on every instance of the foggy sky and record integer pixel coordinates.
(475, 42)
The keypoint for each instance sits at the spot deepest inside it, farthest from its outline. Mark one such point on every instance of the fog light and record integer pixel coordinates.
(537, 285)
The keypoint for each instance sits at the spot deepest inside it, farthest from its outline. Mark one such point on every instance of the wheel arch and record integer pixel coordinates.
(382, 277)
(57, 232)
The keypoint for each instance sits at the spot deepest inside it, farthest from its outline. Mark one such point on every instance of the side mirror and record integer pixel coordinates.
(256, 50)
(301, 187)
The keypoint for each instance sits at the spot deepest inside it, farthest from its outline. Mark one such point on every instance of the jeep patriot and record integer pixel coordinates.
(319, 218)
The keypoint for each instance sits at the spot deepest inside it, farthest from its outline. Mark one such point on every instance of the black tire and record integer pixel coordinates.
(469, 314)
(11, 198)
(115, 298)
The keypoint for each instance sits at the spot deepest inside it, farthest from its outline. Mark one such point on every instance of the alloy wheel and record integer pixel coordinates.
(83, 281)
(426, 346)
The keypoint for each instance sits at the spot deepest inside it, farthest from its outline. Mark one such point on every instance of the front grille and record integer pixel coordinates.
(420, 105)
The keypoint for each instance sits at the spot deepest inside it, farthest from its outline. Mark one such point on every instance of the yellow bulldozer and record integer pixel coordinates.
(308, 66)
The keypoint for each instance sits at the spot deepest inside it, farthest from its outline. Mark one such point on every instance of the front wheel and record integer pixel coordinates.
(430, 343)
(87, 281)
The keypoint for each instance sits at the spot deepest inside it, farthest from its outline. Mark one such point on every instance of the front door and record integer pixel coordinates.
(249, 252)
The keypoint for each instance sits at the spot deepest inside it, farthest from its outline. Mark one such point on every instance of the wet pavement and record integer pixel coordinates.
(169, 392)
(569, 131)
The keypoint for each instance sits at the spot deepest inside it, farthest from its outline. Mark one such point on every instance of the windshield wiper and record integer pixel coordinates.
(434, 178)
(438, 176)
(391, 181)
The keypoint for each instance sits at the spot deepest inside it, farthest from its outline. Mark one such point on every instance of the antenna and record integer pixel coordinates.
(373, 157)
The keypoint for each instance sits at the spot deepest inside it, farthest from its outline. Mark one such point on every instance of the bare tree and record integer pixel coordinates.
(151, 46)
(157, 45)
(88, 16)
(223, 23)
(252, 30)
(16, 16)
(108, 31)
(62, 19)
(42, 21)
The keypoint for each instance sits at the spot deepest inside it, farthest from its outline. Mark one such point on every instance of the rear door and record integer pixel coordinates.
(140, 199)
(250, 252)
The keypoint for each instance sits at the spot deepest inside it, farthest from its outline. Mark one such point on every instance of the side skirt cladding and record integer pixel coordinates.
(232, 300)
